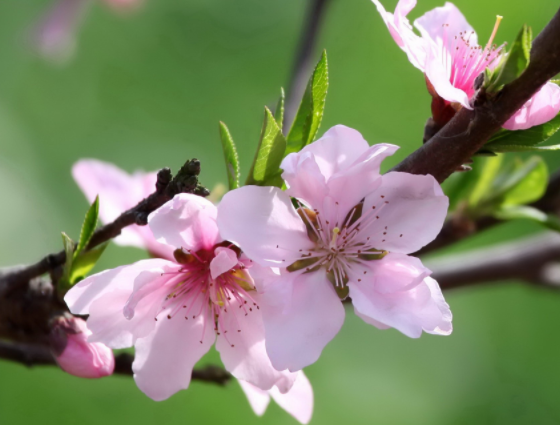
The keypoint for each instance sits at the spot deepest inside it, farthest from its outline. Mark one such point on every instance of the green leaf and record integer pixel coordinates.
(527, 184)
(69, 245)
(516, 61)
(525, 140)
(230, 155)
(85, 262)
(310, 112)
(88, 226)
(279, 112)
(524, 212)
(488, 173)
(265, 170)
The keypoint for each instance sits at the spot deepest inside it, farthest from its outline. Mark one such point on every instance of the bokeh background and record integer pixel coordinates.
(146, 90)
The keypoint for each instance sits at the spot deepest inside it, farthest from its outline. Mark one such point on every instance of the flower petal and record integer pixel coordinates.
(438, 72)
(442, 24)
(264, 224)
(394, 273)
(258, 399)
(187, 221)
(81, 295)
(409, 311)
(298, 402)
(297, 331)
(411, 211)
(242, 348)
(165, 359)
(340, 165)
(224, 260)
(402, 32)
(541, 108)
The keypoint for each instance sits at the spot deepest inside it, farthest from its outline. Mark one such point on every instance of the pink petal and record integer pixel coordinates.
(340, 165)
(81, 295)
(296, 333)
(335, 151)
(258, 399)
(541, 108)
(82, 358)
(438, 72)
(442, 24)
(264, 224)
(443, 326)
(109, 325)
(409, 205)
(303, 178)
(402, 32)
(187, 221)
(409, 311)
(165, 359)
(394, 273)
(298, 402)
(224, 260)
(242, 348)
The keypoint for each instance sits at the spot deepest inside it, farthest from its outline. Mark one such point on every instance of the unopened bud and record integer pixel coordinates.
(74, 354)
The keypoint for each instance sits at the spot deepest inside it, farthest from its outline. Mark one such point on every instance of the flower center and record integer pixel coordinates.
(465, 61)
(341, 247)
(220, 300)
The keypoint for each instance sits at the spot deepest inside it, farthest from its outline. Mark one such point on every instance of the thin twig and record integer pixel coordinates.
(535, 260)
(303, 62)
(456, 229)
(185, 181)
(38, 355)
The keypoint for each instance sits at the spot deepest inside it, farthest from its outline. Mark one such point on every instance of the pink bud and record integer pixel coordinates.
(75, 354)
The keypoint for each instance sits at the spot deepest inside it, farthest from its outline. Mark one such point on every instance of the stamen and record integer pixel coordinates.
(335, 231)
(494, 31)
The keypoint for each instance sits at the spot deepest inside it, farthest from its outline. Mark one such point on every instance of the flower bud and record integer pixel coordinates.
(74, 354)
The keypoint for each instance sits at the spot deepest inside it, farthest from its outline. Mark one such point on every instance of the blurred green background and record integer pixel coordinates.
(146, 91)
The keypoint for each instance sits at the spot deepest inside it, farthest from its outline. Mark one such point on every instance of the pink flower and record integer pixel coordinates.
(173, 311)
(75, 354)
(298, 402)
(334, 245)
(118, 191)
(447, 51)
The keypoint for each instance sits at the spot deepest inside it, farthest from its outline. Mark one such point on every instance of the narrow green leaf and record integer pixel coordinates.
(488, 173)
(524, 140)
(528, 183)
(88, 226)
(230, 156)
(265, 170)
(524, 212)
(310, 112)
(84, 262)
(69, 245)
(279, 112)
(515, 62)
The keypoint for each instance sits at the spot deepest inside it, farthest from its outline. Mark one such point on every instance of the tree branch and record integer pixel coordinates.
(457, 228)
(469, 130)
(38, 355)
(535, 260)
(303, 59)
(185, 181)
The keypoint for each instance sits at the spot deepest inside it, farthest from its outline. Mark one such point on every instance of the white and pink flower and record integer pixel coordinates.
(350, 235)
(174, 311)
(448, 53)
